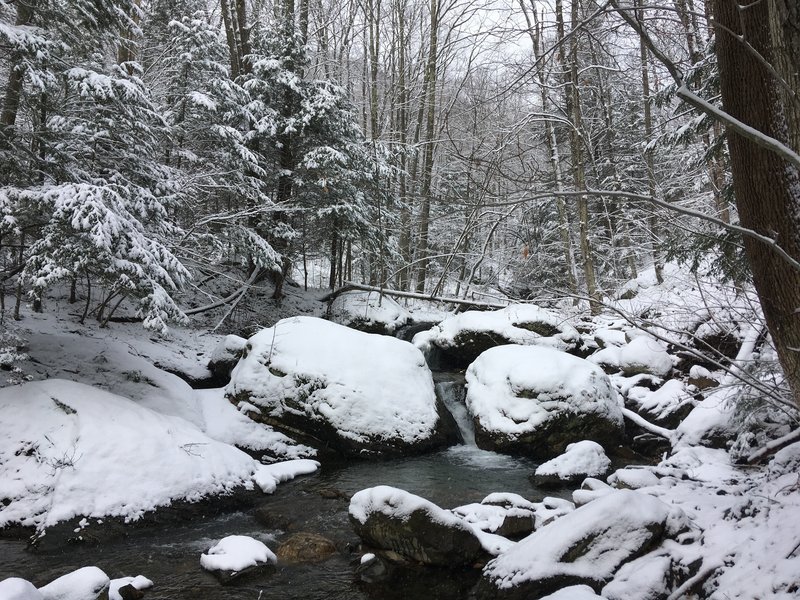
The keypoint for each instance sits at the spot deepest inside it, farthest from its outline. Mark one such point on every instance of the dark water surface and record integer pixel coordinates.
(170, 556)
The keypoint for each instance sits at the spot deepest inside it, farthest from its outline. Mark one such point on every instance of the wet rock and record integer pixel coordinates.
(535, 401)
(128, 592)
(393, 519)
(306, 547)
(585, 547)
(225, 357)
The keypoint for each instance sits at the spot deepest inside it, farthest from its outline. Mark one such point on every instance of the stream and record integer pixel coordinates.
(318, 503)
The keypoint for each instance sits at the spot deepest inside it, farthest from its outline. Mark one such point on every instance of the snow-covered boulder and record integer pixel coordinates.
(225, 356)
(646, 578)
(462, 338)
(128, 587)
(15, 588)
(74, 456)
(369, 312)
(536, 401)
(357, 393)
(643, 354)
(88, 583)
(581, 460)
(506, 514)
(575, 592)
(665, 407)
(585, 547)
(392, 519)
(237, 556)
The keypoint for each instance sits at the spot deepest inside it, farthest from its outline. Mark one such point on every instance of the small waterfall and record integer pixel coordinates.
(452, 393)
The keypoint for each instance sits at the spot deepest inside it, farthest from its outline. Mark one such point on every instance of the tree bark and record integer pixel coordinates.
(767, 187)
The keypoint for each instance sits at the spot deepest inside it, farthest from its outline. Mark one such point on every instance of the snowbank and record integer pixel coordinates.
(537, 400)
(356, 391)
(72, 450)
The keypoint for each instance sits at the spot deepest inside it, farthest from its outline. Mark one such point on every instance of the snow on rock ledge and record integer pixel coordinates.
(72, 451)
(463, 337)
(88, 583)
(536, 401)
(368, 312)
(584, 547)
(358, 393)
(582, 459)
(393, 519)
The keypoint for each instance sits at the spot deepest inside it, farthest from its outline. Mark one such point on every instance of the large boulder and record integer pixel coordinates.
(87, 583)
(224, 358)
(584, 547)
(460, 339)
(392, 519)
(368, 311)
(535, 401)
(337, 388)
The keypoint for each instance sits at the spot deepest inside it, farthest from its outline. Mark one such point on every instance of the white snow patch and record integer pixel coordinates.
(368, 309)
(15, 588)
(236, 553)
(585, 458)
(83, 584)
(140, 582)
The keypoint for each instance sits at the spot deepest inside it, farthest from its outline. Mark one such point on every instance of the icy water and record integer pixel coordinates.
(317, 503)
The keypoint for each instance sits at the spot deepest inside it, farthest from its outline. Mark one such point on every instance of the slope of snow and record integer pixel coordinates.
(73, 450)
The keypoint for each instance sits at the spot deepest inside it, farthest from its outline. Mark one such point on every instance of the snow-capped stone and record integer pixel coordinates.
(354, 392)
(584, 547)
(536, 401)
(509, 515)
(236, 556)
(368, 311)
(643, 354)
(139, 583)
(574, 592)
(88, 583)
(582, 459)
(646, 578)
(591, 489)
(633, 478)
(463, 337)
(666, 407)
(225, 356)
(393, 519)
(15, 588)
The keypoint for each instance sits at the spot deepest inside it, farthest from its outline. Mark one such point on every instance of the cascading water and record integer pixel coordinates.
(451, 391)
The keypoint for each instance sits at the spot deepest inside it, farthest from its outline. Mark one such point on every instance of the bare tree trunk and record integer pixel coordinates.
(767, 187)
(427, 167)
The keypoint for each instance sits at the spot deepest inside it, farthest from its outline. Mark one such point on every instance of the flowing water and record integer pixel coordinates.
(317, 503)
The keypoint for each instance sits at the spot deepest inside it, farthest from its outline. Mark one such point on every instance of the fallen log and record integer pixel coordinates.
(350, 286)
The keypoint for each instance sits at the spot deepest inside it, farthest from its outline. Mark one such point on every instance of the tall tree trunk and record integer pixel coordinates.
(767, 187)
(16, 75)
(655, 234)
(427, 167)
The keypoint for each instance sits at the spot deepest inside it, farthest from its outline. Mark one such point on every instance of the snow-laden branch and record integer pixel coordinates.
(349, 286)
(684, 93)
(667, 434)
(773, 446)
(233, 297)
(795, 264)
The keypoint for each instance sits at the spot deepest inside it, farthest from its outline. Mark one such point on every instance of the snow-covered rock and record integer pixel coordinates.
(646, 578)
(575, 592)
(225, 356)
(78, 456)
(116, 591)
(505, 514)
(358, 393)
(88, 583)
(237, 556)
(536, 401)
(15, 588)
(582, 459)
(584, 547)
(368, 311)
(461, 338)
(590, 489)
(643, 354)
(393, 519)
(665, 407)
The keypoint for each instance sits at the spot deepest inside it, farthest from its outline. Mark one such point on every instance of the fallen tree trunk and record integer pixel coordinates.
(350, 286)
